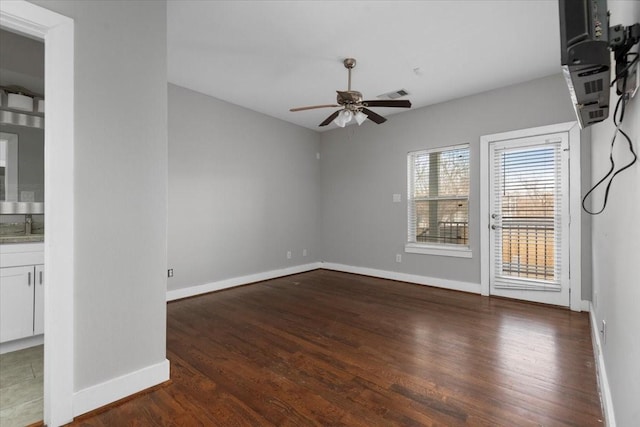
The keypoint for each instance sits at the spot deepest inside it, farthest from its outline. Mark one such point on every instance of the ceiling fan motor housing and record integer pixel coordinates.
(348, 97)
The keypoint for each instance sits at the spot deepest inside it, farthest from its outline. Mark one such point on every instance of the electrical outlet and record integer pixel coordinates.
(304, 252)
(170, 272)
(603, 331)
(288, 254)
(398, 258)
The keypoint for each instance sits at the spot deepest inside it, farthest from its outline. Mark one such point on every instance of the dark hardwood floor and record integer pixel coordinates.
(328, 348)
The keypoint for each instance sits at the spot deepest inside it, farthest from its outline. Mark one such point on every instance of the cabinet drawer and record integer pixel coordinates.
(13, 255)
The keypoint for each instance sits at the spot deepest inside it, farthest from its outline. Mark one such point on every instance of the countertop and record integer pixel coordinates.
(29, 238)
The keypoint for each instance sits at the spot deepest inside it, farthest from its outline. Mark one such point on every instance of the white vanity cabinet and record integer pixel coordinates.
(21, 291)
(16, 302)
(38, 300)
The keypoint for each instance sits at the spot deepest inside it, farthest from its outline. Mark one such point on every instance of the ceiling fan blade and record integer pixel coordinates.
(313, 107)
(373, 116)
(330, 118)
(395, 103)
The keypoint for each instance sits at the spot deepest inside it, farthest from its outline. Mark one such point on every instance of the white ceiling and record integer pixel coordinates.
(270, 56)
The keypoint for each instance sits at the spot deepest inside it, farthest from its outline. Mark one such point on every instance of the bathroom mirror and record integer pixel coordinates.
(21, 164)
(8, 167)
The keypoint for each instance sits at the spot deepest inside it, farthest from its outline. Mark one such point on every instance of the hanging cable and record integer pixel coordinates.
(625, 69)
(622, 101)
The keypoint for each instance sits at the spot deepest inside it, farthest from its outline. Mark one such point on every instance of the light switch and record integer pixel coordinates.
(397, 198)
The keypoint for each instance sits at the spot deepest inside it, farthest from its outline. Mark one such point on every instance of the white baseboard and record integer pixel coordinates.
(601, 372)
(118, 388)
(404, 277)
(239, 281)
(16, 345)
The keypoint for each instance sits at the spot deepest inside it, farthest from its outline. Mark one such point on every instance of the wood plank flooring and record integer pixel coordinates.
(335, 349)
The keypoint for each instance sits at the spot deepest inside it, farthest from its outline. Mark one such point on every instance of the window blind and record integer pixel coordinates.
(438, 196)
(527, 207)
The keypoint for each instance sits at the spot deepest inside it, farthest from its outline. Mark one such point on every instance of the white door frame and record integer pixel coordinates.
(575, 204)
(57, 32)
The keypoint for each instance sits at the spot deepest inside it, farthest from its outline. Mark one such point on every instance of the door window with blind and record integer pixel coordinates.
(529, 219)
(525, 204)
(438, 201)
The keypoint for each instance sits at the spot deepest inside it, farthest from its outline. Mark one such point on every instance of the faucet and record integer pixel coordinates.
(28, 221)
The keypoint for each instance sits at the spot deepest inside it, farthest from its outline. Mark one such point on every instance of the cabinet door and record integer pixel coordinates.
(16, 302)
(38, 304)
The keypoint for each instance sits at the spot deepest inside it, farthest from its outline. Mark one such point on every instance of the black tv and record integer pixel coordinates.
(586, 58)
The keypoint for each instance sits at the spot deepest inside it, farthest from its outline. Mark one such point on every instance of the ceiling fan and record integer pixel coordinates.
(353, 105)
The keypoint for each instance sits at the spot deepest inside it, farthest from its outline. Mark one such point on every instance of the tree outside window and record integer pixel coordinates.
(438, 196)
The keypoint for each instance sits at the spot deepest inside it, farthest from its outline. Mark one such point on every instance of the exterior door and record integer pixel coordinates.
(529, 221)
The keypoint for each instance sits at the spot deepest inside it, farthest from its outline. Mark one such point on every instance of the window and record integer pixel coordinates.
(438, 201)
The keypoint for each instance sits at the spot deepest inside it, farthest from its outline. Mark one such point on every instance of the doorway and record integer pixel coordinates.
(57, 32)
(530, 241)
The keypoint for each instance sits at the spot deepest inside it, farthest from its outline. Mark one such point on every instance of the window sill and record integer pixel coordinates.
(459, 252)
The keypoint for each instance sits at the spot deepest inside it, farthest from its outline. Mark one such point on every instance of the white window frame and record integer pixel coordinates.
(440, 249)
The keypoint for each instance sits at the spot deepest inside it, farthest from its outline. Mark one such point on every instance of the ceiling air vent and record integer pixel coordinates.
(393, 95)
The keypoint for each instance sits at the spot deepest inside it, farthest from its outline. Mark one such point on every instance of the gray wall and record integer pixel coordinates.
(21, 62)
(363, 166)
(616, 251)
(30, 159)
(120, 186)
(243, 190)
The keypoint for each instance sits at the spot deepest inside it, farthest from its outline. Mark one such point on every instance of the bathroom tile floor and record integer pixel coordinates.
(21, 387)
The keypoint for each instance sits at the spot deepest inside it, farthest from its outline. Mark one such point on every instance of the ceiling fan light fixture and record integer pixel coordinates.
(343, 118)
(360, 117)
